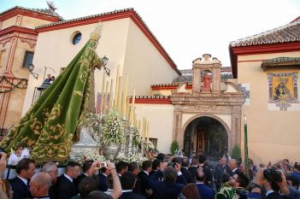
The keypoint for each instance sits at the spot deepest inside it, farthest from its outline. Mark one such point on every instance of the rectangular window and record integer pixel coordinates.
(28, 59)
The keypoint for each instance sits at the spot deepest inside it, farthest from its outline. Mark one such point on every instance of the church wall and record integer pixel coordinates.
(23, 21)
(272, 134)
(17, 96)
(55, 49)
(161, 123)
(144, 62)
(29, 22)
(8, 22)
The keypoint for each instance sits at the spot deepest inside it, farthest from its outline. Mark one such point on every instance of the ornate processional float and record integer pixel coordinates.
(63, 125)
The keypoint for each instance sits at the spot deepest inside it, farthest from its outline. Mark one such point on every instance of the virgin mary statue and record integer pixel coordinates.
(49, 126)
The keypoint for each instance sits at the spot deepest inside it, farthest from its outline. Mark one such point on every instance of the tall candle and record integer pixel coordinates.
(105, 97)
(110, 94)
(132, 105)
(119, 94)
(139, 127)
(148, 130)
(128, 109)
(116, 88)
(125, 97)
(102, 91)
(144, 127)
(135, 120)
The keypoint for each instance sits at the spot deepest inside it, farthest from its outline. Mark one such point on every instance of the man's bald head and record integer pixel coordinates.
(40, 184)
(233, 164)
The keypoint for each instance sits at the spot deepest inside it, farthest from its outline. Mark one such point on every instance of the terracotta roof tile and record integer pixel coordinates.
(281, 61)
(41, 11)
(283, 34)
(110, 14)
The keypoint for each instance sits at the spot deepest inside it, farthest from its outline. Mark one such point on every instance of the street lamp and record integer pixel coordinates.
(105, 61)
(31, 68)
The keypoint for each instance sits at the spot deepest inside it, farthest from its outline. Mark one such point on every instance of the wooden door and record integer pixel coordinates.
(200, 141)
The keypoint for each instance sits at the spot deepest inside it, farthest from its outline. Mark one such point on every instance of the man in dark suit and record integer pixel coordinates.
(221, 168)
(20, 185)
(134, 168)
(233, 165)
(168, 188)
(52, 170)
(206, 170)
(194, 166)
(66, 187)
(185, 172)
(86, 171)
(102, 179)
(144, 177)
(121, 168)
(128, 181)
(205, 191)
(155, 166)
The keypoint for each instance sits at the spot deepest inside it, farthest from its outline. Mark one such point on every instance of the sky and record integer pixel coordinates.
(187, 28)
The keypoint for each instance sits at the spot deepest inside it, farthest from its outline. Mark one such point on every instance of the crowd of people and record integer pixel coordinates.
(165, 177)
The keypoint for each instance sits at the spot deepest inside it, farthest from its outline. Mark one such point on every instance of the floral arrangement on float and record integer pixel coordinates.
(136, 138)
(112, 136)
(131, 157)
(113, 129)
(87, 154)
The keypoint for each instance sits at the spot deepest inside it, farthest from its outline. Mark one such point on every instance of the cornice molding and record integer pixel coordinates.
(29, 13)
(110, 17)
(151, 100)
(259, 49)
(18, 29)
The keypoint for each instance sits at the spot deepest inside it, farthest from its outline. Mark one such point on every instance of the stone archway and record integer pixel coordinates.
(207, 135)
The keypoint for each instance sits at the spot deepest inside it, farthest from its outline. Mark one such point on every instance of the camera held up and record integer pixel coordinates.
(272, 175)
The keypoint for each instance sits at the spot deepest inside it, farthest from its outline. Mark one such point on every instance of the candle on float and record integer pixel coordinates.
(144, 127)
(119, 94)
(139, 127)
(116, 88)
(124, 105)
(110, 94)
(105, 97)
(127, 109)
(132, 106)
(135, 120)
(102, 91)
(148, 130)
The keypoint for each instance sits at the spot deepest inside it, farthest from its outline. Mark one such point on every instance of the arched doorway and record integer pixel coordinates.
(207, 136)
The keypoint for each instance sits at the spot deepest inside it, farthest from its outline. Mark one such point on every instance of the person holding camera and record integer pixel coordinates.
(271, 184)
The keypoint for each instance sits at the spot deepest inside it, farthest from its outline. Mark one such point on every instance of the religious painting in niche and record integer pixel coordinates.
(206, 80)
(283, 89)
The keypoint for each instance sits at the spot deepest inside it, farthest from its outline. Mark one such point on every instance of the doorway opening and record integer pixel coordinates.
(206, 136)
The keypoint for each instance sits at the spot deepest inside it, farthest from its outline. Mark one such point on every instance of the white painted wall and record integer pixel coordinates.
(161, 123)
(272, 135)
